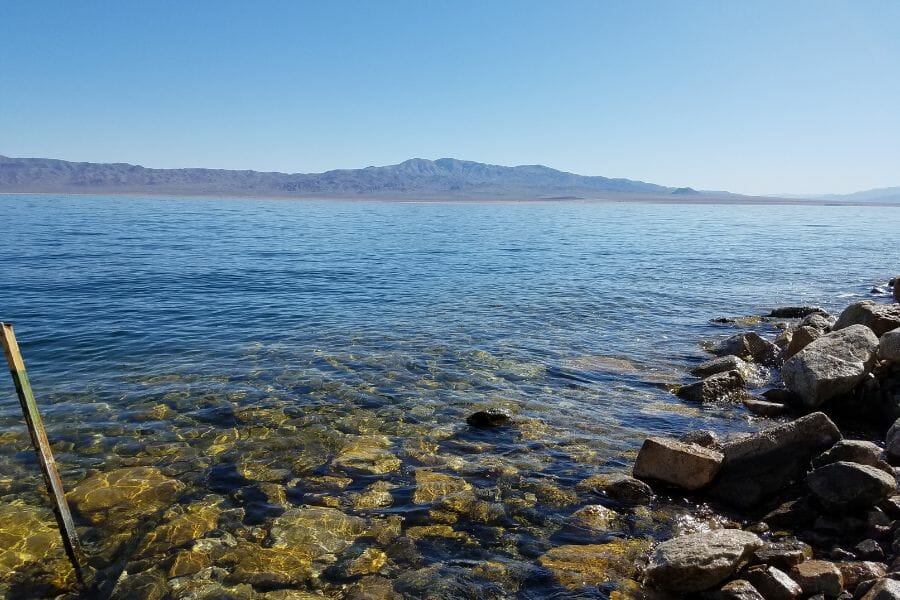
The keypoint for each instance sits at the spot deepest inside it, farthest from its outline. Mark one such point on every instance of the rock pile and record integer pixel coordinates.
(824, 511)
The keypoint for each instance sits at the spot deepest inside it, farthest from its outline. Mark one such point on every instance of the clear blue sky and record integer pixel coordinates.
(755, 97)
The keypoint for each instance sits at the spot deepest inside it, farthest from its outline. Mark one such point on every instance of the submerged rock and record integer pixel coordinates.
(431, 486)
(368, 454)
(880, 318)
(619, 486)
(699, 561)
(595, 564)
(720, 387)
(760, 464)
(847, 485)
(118, 498)
(492, 417)
(595, 517)
(687, 466)
(795, 312)
(831, 365)
(316, 531)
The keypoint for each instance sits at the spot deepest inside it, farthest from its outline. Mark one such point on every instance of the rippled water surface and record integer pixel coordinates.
(273, 356)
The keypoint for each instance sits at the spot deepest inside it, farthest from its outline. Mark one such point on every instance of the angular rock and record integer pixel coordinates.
(821, 321)
(818, 577)
(698, 561)
(782, 396)
(884, 589)
(847, 485)
(739, 589)
(784, 554)
(889, 346)
(831, 365)
(720, 387)
(749, 346)
(803, 337)
(764, 408)
(868, 550)
(492, 417)
(701, 437)
(880, 318)
(619, 486)
(760, 464)
(795, 312)
(687, 466)
(854, 573)
(773, 583)
(856, 451)
(720, 364)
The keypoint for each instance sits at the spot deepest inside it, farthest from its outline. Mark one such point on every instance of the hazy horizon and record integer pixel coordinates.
(765, 99)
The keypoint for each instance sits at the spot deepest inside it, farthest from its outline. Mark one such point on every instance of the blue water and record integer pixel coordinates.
(574, 316)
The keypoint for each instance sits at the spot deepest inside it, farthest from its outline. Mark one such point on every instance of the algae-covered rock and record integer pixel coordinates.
(619, 486)
(377, 495)
(118, 498)
(595, 517)
(431, 486)
(576, 566)
(316, 531)
(368, 454)
(267, 567)
(180, 527)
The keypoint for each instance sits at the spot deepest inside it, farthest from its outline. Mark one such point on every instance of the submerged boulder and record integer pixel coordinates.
(687, 466)
(880, 318)
(594, 564)
(698, 561)
(831, 365)
(492, 417)
(758, 465)
(120, 497)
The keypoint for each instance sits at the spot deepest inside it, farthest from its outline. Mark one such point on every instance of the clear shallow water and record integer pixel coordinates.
(187, 334)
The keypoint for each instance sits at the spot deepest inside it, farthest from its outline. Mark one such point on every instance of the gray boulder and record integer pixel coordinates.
(773, 583)
(847, 485)
(831, 365)
(856, 451)
(889, 346)
(699, 561)
(884, 589)
(759, 465)
(721, 387)
(739, 589)
(818, 577)
(687, 466)
(764, 408)
(749, 346)
(880, 318)
(803, 336)
(720, 365)
(820, 321)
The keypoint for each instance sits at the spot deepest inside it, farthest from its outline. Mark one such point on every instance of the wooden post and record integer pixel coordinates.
(42, 448)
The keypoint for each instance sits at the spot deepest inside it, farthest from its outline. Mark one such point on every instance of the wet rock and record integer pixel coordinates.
(854, 573)
(492, 417)
(749, 346)
(146, 585)
(821, 321)
(267, 567)
(856, 451)
(831, 365)
(818, 577)
(371, 588)
(189, 562)
(118, 498)
(316, 531)
(784, 553)
(796, 312)
(696, 562)
(760, 464)
(721, 387)
(364, 561)
(688, 466)
(764, 408)
(739, 589)
(594, 564)
(884, 589)
(28, 536)
(431, 486)
(368, 454)
(701, 437)
(279, 595)
(419, 532)
(595, 517)
(846, 485)
(619, 486)
(773, 583)
(181, 526)
(783, 339)
(377, 495)
(889, 346)
(880, 318)
(782, 396)
(720, 364)
(801, 338)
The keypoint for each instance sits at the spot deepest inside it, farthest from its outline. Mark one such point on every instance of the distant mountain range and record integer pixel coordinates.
(415, 178)
(446, 178)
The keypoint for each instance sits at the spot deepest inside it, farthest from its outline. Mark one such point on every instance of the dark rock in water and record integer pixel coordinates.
(795, 312)
(802, 337)
(759, 465)
(831, 365)
(818, 577)
(773, 583)
(879, 291)
(764, 408)
(880, 318)
(749, 346)
(721, 387)
(847, 485)
(784, 553)
(739, 589)
(701, 437)
(719, 365)
(619, 486)
(782, 396)
(698, 561)
(687, 466)
(856, 451)
(492, 417)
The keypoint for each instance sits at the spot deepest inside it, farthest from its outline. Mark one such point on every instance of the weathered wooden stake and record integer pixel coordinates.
(42, 448)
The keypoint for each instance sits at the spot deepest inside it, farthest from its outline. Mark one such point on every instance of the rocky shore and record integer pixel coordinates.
(813, 501)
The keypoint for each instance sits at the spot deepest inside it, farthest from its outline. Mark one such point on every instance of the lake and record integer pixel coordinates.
(272, 355)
